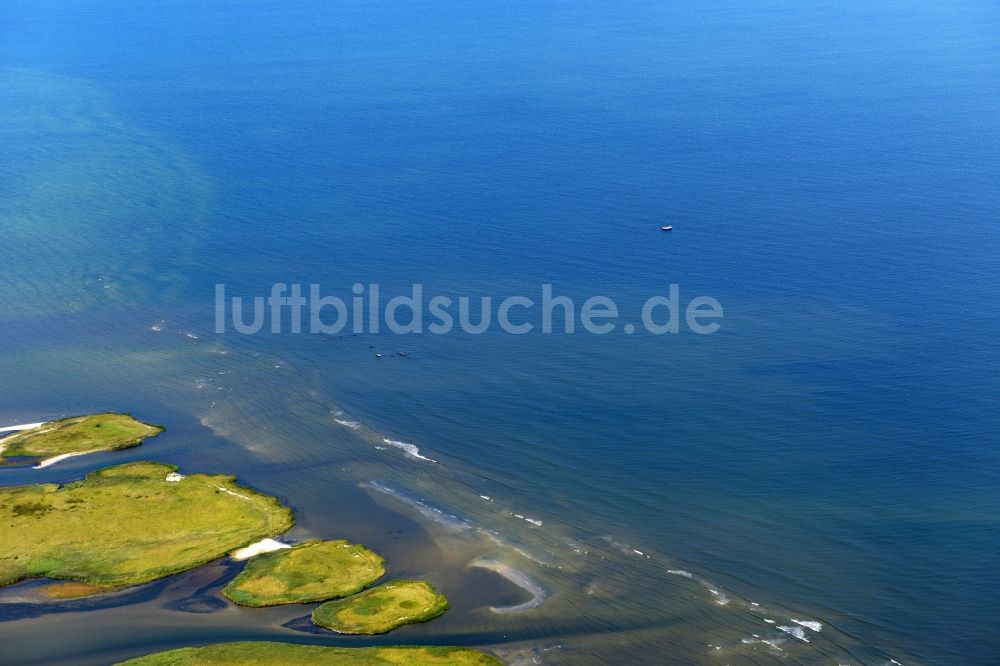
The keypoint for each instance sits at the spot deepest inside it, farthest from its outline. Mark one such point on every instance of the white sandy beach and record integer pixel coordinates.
(54, 459)
(23, 426)
(17, 428)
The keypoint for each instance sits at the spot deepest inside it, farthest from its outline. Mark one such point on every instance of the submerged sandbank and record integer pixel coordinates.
(519, 578)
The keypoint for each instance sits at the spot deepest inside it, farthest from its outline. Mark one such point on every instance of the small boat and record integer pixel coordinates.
(666, 228)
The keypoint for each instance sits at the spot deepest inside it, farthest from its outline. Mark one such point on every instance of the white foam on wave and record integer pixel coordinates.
(770, 642)
(809, 624)
(410, 449)
(798, 632)
(533, 521)
(720, 596)
(353, 425)
(773, 643)
(717, 592)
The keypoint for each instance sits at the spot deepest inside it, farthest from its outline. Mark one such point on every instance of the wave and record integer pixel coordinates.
(425, 509)
(410, 449)
(504, 543)
(785, 627)
(450, 520)
(809, 624)
(720, 595)
(796, 627)
(624, 548)
(533, 521)
(774, 643)
(798, 632)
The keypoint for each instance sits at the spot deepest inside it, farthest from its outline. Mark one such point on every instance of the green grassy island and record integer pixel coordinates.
(312, 571)
(130, 524)
(382, 608)
(280, 654)
(78, 435)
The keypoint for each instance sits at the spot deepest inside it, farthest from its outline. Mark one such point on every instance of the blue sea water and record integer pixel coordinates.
(830, 169)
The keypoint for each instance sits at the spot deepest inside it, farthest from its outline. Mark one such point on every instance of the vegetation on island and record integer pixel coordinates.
(311, 571)
(141, 521)
(279, 654)
(382, 608)
(72, 589)
(79, 434)
(130, 524)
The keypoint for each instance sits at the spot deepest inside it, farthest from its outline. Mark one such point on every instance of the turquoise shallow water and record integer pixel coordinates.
(830, 454)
